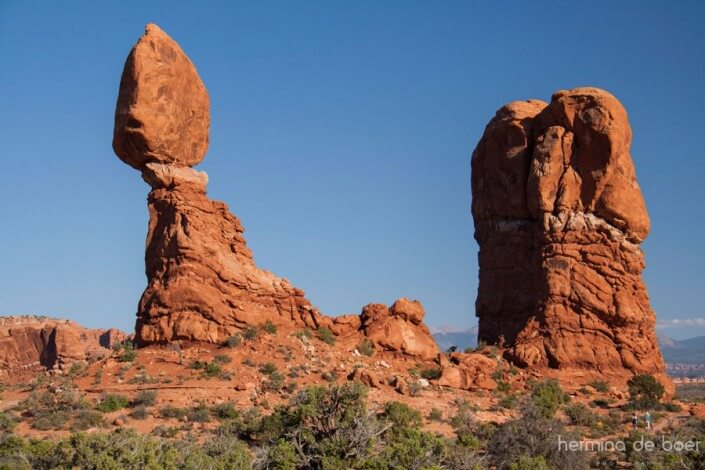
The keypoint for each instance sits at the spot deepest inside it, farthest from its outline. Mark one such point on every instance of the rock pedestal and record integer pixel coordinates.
(559, 218)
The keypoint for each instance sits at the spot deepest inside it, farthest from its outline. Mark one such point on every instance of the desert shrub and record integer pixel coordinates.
(503, 387)
(645, 392)
(600, 403)
(469, 349)
(225, 411)
(267, 368)
(548, 396)
(275, 381)
(52, 420)
(172, 412)
(139, 412)
(498, 374)
(112, 402)
(233, 341)
(509, 402)
(325, 335)
(530, 463)
(580, 415)
(250, 332)
(223, 359)
(366, 347)
(532, 435)
(165, 431)
(145, 398)
(414, 372)
(86, 419)
(305, 333)
(600, 385)
(672, 407)
(123, 449)
(197, 365)
(212, 369)
(401, 415)
(127, 352)
(431, 373)
(248, 361)
(269, 327)
(282, 455)
(7, 423)
(199, 414)
(435, 415)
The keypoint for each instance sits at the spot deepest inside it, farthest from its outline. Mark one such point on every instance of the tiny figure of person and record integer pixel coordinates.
(648, 420)
(635, 420)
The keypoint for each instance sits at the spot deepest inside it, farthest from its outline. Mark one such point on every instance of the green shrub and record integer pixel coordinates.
(269, 327)
(7, 423)
(431, 373)
(212, 369)
(51, 420)
(197, 365)
(325, 335)
(267, 368)
(145, 398)
(223, 359)
(600, 385)
(645, 392)
(580, 415)
(250, 333)
(225, 411)
(199, 414)
(172, 412)
(140, 412)
(305, 333)
(503, 387)
(548, 396)
(509, 402)
(275, 381)
(366, 347)
(233, 341)
(435, 415)
(128, 352)
(112, 402)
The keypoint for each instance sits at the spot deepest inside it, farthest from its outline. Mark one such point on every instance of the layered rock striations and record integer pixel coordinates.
(202, 281)
(29, 342)
(559, 218)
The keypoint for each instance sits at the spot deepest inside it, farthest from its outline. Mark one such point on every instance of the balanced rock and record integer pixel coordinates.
(163, 110)
(559, 217)
(202, 282)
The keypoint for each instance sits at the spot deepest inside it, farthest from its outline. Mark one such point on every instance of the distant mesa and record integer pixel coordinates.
(559, 217)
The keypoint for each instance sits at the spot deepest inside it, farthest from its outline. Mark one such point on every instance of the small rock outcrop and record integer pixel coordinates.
(28, 342)
(559, 218)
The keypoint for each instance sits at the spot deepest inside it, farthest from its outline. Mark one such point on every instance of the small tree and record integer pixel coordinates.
(644, 391)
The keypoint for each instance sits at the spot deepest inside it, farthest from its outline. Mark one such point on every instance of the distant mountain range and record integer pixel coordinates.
(686, 351)
(460, 339)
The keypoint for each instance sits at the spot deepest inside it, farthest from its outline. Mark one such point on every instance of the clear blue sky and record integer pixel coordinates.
(341, 136)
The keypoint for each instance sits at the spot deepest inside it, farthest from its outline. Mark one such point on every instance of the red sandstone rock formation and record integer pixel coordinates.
(203, 284)
(27, 342)
(559, 217)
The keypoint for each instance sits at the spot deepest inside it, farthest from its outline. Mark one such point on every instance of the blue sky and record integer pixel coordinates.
(341, 136)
